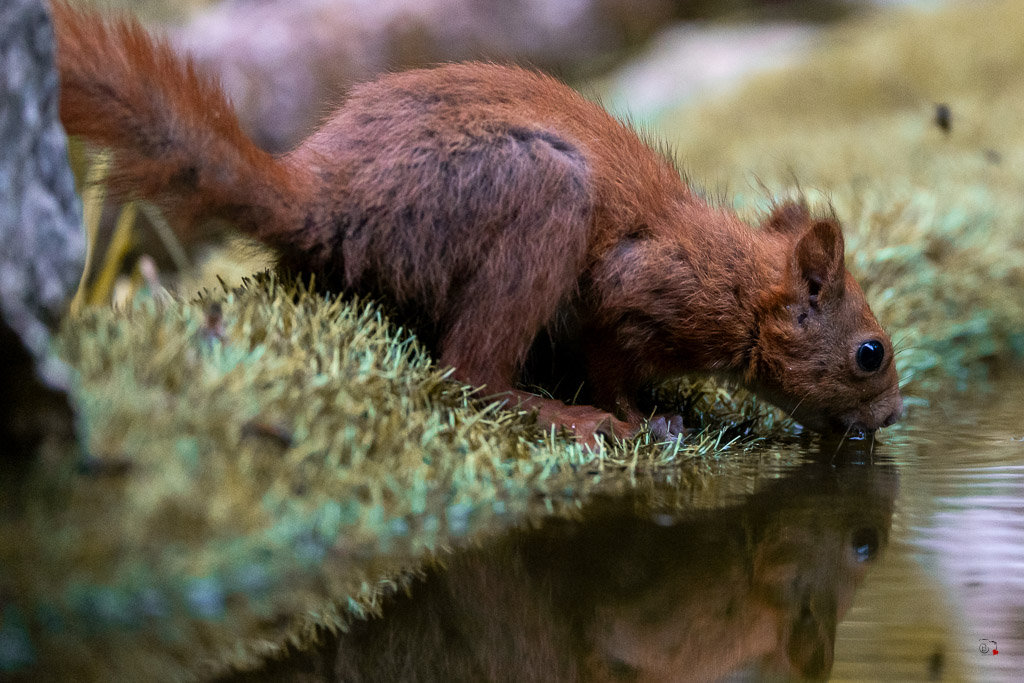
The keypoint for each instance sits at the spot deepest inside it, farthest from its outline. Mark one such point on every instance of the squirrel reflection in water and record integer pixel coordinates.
(638, 591)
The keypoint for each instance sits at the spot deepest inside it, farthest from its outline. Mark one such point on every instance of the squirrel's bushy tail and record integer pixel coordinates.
(174, 136)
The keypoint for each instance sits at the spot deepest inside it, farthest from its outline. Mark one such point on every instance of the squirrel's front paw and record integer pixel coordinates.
(605, 425)
(587, 423)
(667, 428)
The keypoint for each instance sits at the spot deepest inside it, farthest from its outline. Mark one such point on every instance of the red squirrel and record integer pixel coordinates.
(500, 213)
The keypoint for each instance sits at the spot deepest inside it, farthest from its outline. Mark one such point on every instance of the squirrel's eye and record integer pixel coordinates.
(865, 544)
(870, 355)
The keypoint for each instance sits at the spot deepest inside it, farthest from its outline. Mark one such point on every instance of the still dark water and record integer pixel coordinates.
(900, 561)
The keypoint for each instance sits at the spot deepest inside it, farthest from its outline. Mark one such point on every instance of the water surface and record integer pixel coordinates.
(901, 559)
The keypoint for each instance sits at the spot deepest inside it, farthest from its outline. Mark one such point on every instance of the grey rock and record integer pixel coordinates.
(42, 247)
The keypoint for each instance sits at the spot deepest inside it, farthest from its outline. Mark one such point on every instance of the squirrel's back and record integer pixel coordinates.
(454, 104)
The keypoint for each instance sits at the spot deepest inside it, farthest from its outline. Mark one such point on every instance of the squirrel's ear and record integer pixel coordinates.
(818, 258)
(788, 217)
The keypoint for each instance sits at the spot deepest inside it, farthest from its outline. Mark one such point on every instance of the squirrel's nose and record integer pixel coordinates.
(895, 415)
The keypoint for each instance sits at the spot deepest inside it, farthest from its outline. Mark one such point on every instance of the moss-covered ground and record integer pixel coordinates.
(265, 460)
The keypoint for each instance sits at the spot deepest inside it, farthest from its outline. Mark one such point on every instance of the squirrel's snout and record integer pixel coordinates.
(860, 426)
(895, 414)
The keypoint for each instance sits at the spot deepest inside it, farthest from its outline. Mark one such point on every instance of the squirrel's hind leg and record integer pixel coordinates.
(529, 266)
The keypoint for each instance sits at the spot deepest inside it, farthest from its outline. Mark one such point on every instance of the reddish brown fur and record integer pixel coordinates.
(490, 205)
